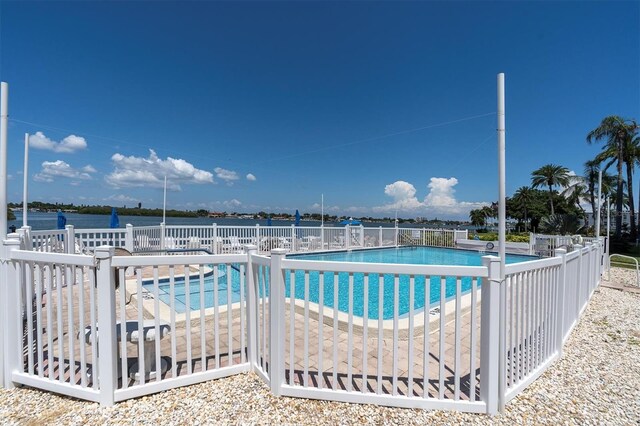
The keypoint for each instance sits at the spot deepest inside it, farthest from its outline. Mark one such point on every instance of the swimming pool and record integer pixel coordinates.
(229, 278)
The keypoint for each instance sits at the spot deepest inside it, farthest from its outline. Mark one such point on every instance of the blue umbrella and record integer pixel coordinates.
(269, 220)
(62, 220)
(297, 223)
(114, 222)
(350, 221)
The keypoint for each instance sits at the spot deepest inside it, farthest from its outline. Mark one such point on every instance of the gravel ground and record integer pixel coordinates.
(597, 381)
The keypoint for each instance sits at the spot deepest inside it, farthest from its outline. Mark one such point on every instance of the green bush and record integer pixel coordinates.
(514, 237)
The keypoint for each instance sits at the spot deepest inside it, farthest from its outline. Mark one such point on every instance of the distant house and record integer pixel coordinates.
(217, 214)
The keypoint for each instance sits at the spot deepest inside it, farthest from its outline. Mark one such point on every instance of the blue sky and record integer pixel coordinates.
(380, 106)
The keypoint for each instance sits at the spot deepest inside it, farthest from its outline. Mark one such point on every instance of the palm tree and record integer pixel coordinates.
(550, 175)
(631, 155)
(523, 197)
(618, 132)
(591, 171)
(477, 217)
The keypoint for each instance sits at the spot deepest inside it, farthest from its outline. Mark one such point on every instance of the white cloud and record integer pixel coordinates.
(150, 172)
(440, 199)
(403, 195)
(232, 203)
(54, 169)
(88, 169)
(251, 177)
(67, 145)
(226, 175)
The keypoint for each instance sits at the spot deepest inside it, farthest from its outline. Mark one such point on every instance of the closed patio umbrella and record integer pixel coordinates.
(297, 222)
(115, 221)
(62, 220)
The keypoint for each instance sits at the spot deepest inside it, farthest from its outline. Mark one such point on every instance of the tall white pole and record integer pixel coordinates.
(501, 234)
(25, 181)
(597, 216)
(4, 118)
(164, 200)
(322, 211)
(501, 175)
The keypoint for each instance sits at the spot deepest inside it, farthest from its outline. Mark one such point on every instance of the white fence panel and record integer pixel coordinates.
(59, 345)
(380, 315)
(185, 320)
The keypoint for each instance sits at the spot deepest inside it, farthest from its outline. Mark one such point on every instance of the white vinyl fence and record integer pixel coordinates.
(427, 336)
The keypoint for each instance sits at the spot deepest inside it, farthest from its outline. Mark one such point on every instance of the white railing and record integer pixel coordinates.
(339, 331)
(392, 337)
(545, 245)
(230, 239)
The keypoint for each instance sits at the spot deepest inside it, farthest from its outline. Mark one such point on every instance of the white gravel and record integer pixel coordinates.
(597, 381)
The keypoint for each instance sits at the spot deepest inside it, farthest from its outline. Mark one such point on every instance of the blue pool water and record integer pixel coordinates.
(230, 278)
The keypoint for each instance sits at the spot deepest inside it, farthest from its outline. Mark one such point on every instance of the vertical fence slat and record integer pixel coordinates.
(410, 360)
(306, 329)
(334, 384)
(292, 324)
(380, 332)
(426, 337)
(320, 329)
(229, 317)
(457, 363)
(443, 284)
(473, 339)
(396, 290)
(350, 337)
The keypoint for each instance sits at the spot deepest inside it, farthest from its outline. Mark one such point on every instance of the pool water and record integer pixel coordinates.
(229, 277)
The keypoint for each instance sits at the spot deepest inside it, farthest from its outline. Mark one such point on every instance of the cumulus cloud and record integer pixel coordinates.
(251, 177)
(226, 175)
(150, 172)
(232, 203)
(55, 169)
(70, 144)
(440, 199)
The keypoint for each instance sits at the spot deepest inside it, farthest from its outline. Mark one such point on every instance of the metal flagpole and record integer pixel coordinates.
(25, 180)
(322, 212)
(501, 237)
(4, 116)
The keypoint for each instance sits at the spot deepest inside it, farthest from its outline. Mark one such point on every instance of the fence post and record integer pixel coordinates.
(276, 317)
(12, 312)
(252, 314)
(490, 335)
(361, 236)
(322, 236)
(215, 238)
(560, 297)
(70, 245)
(257, 240)
(25, 239)
(107, 361)
(532, 243)
(380, 239)
(162, 235)
(396, 234)
(579, 278)
(347, 236)
(128, 237)
(293, 238)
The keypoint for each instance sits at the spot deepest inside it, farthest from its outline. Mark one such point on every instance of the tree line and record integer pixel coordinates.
(553, 202)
